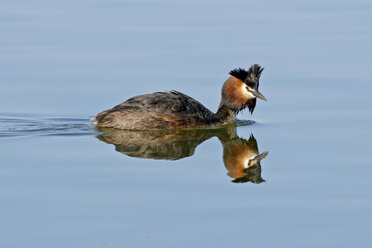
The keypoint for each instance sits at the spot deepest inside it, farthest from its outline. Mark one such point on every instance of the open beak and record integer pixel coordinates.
(257, 94)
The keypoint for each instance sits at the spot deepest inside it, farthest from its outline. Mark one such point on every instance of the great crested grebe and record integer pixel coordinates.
(170, 110)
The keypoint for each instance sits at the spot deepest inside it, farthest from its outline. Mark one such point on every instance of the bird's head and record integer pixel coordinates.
(241, 89)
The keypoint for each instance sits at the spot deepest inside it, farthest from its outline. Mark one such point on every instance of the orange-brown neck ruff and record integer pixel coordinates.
(235, 96)
(236, 156)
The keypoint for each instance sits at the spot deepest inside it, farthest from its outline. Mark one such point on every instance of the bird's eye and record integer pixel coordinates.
(246, 87)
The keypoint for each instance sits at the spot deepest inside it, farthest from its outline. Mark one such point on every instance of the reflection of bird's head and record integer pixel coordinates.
(242, 160)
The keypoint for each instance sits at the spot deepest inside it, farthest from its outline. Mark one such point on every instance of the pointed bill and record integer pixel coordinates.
(262, 155)
(257, 94)
(257, 159)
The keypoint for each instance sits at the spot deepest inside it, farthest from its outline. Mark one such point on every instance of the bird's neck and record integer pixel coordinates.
(224, 115)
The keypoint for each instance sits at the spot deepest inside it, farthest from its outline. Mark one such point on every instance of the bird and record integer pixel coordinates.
(173, 109)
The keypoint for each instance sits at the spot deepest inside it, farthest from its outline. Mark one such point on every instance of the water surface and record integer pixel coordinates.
(65, 184)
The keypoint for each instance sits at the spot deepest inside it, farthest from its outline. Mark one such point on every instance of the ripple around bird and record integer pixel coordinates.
(21, 126)
(42, 126)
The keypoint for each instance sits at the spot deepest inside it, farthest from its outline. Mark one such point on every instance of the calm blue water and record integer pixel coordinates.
(65, 184)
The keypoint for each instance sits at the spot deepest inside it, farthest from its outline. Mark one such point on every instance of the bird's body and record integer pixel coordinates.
(160, 110)
(170, 110)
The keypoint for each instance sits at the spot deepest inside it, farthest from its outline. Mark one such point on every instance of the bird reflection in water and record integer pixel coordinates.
(240, 156)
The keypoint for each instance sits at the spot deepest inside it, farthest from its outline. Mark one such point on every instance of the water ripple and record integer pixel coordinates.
(21, 126)
(11, 126)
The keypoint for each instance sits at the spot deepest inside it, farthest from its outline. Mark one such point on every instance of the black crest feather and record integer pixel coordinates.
(253, 73)
(239, 73)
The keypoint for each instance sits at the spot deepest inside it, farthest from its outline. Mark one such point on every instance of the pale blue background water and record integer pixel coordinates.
(63, 61)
